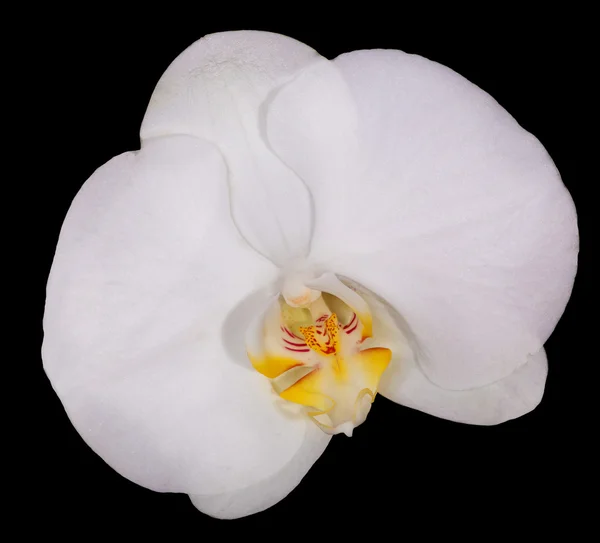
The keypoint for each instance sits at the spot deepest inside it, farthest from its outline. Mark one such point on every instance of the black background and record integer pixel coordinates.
(403, 471)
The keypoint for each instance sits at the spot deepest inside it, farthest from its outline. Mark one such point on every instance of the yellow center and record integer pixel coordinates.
(314, 356)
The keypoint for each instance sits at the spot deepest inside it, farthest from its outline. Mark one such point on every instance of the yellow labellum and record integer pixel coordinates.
(315, 359)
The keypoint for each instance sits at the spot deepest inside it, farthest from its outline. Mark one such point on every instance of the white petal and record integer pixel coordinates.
(149, 295)
(312, 124)
(219, 89)
(403, 381)
(454, 214)
(506, 399)
(268, 492)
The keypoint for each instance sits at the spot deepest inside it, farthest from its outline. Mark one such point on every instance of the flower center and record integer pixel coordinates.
(313, 352)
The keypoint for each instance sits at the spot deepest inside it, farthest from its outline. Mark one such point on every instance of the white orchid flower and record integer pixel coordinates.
(372, 224)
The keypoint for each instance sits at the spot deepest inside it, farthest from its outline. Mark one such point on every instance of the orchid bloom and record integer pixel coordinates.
(295, 236)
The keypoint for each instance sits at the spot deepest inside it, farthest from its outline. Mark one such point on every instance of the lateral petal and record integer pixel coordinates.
(449, 210)
(147, 274)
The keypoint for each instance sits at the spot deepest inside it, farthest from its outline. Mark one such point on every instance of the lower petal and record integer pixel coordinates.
(507, 399)
(403, 381)
(269, 491)
(186, 420)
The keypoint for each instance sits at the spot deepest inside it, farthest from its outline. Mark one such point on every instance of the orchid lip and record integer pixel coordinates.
(313, 352)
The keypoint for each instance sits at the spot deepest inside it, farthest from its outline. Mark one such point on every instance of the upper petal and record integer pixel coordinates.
(450, 211)
(148, 280)
(219, 89)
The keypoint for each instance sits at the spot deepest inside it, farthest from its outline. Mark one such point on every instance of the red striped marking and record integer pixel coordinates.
(295, 344)
(353, 328)
(283, 329)
(351, 322)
